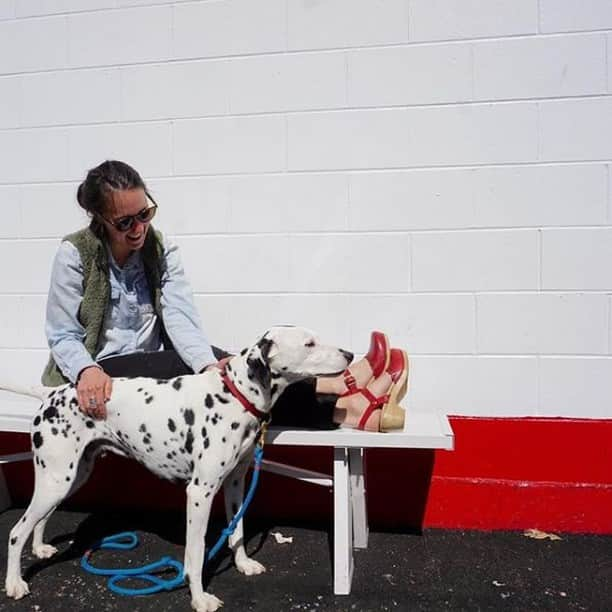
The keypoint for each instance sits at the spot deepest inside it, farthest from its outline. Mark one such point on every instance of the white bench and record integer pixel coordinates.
(423, 430)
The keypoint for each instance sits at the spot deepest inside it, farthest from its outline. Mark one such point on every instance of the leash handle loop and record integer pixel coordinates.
(127, 540)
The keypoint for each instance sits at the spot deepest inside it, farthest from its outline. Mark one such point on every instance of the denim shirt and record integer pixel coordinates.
(130, 324)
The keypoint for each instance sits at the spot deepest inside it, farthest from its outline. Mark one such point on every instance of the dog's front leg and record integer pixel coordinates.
(199, 502)
(233, 490)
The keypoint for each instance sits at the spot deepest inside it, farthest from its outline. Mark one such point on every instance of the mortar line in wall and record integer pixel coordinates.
(609, 324)
(334, 233)
(304, 51)
(538, 367)
(393, 170)
(540, 259)
(318, 111)
(609, 193)
(312, 235)
(607, 64)
(496, 356)
(397, 169)
(476, 337)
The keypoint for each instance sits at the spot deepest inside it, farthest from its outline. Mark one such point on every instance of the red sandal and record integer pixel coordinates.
(393, 415)
(378, 356)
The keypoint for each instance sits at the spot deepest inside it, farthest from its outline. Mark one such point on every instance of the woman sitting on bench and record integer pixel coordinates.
(118, 296)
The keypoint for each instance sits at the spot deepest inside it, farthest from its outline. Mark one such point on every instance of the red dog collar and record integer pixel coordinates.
(263, 416)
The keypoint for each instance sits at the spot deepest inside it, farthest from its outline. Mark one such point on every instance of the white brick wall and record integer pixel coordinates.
(440, 169)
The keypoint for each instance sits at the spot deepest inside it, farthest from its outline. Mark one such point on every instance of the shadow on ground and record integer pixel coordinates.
(436, 570)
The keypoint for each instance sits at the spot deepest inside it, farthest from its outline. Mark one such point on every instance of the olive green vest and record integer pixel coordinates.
(96, 291)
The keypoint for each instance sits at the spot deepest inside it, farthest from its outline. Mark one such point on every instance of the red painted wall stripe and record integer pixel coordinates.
(553, 474)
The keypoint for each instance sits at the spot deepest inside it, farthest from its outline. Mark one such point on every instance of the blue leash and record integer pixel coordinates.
(128, 540)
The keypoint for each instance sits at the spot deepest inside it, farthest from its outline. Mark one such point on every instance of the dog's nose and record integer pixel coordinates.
(347, 355)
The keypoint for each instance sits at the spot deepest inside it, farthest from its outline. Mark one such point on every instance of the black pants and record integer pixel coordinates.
(299, 405)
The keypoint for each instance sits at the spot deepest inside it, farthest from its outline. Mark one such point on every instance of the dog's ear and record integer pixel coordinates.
(257, 363)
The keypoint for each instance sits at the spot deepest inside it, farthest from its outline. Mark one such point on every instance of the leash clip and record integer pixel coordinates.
(261, 440)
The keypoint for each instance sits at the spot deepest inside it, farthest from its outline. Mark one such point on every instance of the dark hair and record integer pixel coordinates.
(95, 191)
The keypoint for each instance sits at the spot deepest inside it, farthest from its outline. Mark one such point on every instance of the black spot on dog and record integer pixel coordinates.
(149, 399)
(243, 352)
(162, 381)
(235, 425)
(275, 375)
(189, 416)
(171, 425)
(178, 383)
(71, 466)
(54, 431)
(208, 401)
(207, 494)
(224, 439)
(74, 402)
(197, 504)
(196, 482)
(221, 399)
(189, 442)
(13, 541)
(225, 389)
(37, 421)
(67, 478)
(142, 428)
(52, 393)
(169, 455)
(37, 439)
(139, 389)
(204, 432)
(89, 424)
(254, 390)
(206, 443)
(50, 413)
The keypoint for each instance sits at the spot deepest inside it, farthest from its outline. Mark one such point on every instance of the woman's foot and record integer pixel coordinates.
(362, 410)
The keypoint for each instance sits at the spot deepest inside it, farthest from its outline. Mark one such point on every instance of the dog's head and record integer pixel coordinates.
(284, 355)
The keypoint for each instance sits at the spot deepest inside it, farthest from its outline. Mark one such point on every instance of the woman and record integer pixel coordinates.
(118, 295)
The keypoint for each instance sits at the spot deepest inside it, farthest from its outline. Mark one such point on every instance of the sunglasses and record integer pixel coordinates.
(125, 224)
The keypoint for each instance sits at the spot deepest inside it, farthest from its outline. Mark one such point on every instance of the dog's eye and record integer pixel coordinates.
(310, 344)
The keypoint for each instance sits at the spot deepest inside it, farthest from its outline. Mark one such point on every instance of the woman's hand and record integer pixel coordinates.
(220, 364)
(94, 389)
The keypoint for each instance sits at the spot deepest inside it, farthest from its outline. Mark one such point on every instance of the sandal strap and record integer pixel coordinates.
(375, 404)
(350, 382)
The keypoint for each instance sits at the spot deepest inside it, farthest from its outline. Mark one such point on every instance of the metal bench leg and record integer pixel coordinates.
(5, 498)
(358, 497)
(343, 524)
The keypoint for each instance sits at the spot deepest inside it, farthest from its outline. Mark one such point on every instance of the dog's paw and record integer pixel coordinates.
(44, 551)
(206, 603)
(250, 567)
(16, 588)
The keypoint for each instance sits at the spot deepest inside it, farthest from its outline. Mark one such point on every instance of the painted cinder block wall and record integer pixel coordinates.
(439, 169)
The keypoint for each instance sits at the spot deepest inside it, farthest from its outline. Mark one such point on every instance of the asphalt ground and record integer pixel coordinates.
(433, 570)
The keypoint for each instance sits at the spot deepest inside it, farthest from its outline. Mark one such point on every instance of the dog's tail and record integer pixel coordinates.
(37, 391)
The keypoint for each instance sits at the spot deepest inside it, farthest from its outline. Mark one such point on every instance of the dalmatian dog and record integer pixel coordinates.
(198, 429)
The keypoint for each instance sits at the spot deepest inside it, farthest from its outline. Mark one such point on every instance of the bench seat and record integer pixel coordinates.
(423, 430)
